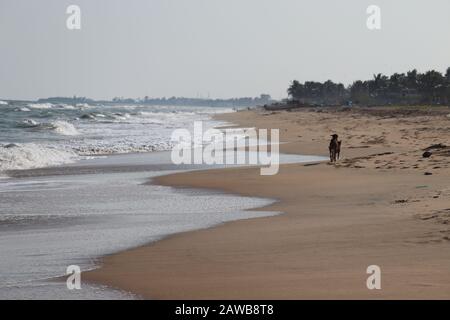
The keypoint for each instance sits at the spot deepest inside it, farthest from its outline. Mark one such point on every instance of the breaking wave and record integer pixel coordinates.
(17, 156)
(39, 106)
(23, 109)
(44, 134)
(61, 127)
(64, 128)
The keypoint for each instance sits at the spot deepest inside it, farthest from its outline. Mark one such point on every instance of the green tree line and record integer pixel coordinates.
(431, 87)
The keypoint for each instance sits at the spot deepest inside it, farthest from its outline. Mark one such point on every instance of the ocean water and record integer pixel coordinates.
(34, 135)
(49, 223)
(88, 205)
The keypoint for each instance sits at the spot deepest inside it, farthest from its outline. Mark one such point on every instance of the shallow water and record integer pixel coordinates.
(55, 222)
(50, 222)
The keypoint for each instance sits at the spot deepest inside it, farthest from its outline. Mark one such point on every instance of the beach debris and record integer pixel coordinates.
(435, 146)
(427, 154)
(382, 154)
(440, 216)
(427, 217)
(358, 147)
(438, 150)
(428, 173)
(401, 201)
(311, 164)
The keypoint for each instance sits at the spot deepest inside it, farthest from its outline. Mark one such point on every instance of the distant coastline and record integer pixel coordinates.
(172, 101)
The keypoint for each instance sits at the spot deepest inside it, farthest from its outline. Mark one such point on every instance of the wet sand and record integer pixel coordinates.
(375, 207)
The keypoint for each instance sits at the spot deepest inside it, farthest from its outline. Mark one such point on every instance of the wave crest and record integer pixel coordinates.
(64, 128)
(31, 155)
(61, 127)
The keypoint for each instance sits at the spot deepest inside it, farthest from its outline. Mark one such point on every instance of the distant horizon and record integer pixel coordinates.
(111, 99)
(137, 99)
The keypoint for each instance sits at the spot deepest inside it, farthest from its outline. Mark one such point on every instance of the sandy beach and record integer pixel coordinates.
(180, 152)
(381, 204)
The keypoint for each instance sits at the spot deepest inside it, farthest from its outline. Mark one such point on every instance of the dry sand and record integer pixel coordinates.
(375, 207)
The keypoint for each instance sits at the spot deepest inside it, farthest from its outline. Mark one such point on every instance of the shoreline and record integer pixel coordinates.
(291, 256)
(118, 220)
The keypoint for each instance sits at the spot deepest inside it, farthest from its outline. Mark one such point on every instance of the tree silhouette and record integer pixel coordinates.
(430, 87)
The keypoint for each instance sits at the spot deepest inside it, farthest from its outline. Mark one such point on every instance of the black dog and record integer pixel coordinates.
(335, 148)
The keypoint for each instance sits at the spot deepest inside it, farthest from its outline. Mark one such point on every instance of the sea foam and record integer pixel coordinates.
(99, 130)
(39, 106)
(31, 155)
(64, 128)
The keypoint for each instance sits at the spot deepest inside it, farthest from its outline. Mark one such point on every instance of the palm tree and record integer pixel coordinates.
(411, 79)
(380, 85)
(432, 86)
(296, 90)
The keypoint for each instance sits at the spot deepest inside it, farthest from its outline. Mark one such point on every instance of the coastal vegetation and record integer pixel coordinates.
(410, 88)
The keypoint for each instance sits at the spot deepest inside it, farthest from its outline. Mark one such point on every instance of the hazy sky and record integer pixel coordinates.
(225, 48)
